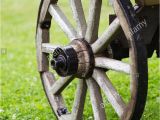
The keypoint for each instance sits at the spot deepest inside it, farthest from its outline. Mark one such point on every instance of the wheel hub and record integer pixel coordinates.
(75, 59)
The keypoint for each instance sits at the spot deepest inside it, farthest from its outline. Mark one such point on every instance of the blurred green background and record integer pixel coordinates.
(22, 96)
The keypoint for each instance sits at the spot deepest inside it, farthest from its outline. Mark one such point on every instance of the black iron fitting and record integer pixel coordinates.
(76, 59)
(65, 61)
(45, 24)
(62, 111)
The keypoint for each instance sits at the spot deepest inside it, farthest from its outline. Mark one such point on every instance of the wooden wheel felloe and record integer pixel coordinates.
(93, 60)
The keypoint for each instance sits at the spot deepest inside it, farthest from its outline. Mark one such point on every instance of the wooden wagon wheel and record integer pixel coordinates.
(86, 59)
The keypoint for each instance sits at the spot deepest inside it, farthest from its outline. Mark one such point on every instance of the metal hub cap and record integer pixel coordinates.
(75, 59)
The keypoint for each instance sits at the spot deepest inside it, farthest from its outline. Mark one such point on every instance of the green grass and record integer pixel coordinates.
(22, 95)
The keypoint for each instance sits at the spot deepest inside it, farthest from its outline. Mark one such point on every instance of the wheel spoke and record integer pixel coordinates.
(96, 99)
(93, 20)
(62, 21)
(55, 100)
(108, 35)
(79, 17)
(48, 48)
(78, 106)
(60, 85)
(113, 97)
(65, 117)
(112, 64)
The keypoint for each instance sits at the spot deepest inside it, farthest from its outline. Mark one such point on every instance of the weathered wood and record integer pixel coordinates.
(128, 20)
(78, 106)
(60, 85)
(79, 16)
(42, 37)
(112, 64)
(62, 21)
(56, 101)
(85, 58)
(123, 21)
(96, 100)
(106, 37)
(44, 15)
(66, 117)
(134, 109)
(93, 20)
(112, 95)
(48, 48)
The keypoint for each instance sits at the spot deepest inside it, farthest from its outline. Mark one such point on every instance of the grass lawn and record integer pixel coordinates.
(21, 93)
